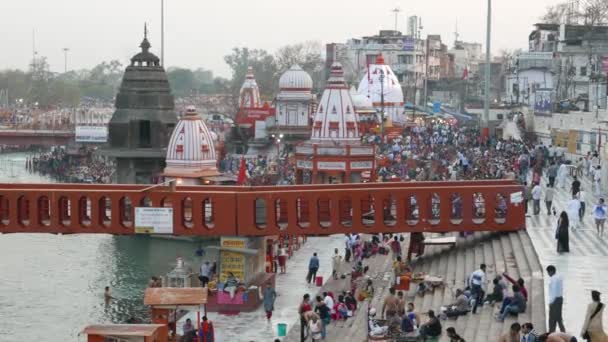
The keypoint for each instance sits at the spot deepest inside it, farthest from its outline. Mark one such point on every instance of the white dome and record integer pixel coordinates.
(336, 119)
(295, 79)
(360, 101)
(191, 146)
(373, 86)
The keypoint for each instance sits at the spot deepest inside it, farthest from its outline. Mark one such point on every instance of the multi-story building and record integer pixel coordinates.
(577, 52)
(531, 80)
(405, 54)
(414, 25)
(466, 55)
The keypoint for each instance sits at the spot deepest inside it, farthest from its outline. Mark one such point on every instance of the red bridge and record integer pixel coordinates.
(251, 211)
(26, 137)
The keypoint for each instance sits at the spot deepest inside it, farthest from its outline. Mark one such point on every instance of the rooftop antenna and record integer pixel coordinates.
(34, 52)
(396, 10)
(456, 34)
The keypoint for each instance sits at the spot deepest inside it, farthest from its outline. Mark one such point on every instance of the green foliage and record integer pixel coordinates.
(268, 68)
(263, 64)
(38, 85)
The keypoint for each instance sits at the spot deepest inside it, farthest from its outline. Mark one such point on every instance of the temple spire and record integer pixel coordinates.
(145, 44)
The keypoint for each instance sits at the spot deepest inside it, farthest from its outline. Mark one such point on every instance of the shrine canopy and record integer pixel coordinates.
(171, 297)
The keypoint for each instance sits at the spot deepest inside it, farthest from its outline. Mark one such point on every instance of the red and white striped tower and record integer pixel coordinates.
(334, 153)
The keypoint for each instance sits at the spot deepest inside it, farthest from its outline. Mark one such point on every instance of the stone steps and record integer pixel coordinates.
(512, 252)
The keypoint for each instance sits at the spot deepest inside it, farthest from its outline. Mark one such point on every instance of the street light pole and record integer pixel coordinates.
(486, 105)
(162, 33)
(65, 59)
(382, 104)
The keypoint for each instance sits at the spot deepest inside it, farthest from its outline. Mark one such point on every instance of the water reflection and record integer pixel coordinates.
(51, 286)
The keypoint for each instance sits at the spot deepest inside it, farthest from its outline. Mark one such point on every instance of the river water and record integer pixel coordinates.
(52, 286)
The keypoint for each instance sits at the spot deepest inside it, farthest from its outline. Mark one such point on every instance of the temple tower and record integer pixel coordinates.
(144, 119)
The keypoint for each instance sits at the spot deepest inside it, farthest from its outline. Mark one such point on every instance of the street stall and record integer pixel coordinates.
(169, 304)
(242, 275)
(126, 332)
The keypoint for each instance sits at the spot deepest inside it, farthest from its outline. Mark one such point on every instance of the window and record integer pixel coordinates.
(584, 71)
(592, 141)
(579, 141)
(371, 59)
(499, 116)
(144, 133)
(405, 59)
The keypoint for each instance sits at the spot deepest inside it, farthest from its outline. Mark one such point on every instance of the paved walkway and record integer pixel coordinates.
(355, 328)
(253, 326)
(584, 268)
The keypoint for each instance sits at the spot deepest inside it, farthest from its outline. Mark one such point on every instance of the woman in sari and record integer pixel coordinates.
(562, 234)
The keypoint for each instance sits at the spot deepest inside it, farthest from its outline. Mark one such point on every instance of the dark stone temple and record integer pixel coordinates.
(141, 126)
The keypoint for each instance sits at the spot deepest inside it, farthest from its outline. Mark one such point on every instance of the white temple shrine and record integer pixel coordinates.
(334, 153)
(294, 103)
(191, 157)
(249, 96)
(381, 86)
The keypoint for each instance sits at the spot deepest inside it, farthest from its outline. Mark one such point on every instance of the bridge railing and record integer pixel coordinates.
(250, 211)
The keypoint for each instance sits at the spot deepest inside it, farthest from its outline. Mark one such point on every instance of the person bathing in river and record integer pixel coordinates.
(107, 295)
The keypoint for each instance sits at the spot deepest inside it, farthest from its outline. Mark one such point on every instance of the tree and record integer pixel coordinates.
(556, 14)
(16, 82)
(263, 64)
(182, 81)
(39, 86)
(307, 55)
(588, 13)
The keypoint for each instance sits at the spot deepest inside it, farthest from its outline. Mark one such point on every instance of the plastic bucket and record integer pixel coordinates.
(319, 281)
(282, 329)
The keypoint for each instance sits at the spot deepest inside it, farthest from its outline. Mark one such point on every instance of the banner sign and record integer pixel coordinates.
(409, 44)
(233, 242)
(92, 134)
(232, 262)
(153, 220)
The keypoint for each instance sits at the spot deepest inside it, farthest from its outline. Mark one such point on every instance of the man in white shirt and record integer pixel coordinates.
(599, 214)
(329, 302)
(335, 263)
(204, 276)
(573, 208)
(597, 176)
(556, 299)
(536, 194)
(477, 282)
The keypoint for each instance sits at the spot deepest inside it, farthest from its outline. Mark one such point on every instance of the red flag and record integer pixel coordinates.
(465, 74)
(242, 175)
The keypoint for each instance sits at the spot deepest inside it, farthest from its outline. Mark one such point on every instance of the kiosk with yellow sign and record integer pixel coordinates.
(243, 258)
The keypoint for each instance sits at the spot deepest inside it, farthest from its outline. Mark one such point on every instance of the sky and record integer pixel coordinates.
(199, 33)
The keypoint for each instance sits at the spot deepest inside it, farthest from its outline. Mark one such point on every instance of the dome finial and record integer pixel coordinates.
(145, 44)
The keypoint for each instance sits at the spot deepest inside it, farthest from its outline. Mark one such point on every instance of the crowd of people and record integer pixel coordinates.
(262, 170)
(83, 167)
(32, 117)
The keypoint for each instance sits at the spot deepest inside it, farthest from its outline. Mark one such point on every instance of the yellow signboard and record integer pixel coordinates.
(560, 138)
(572, 141)
(233, 242)
(232, 262)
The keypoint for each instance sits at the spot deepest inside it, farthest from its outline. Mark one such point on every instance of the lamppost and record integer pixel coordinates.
(65, 59)
(382, 76)
(486, 104)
